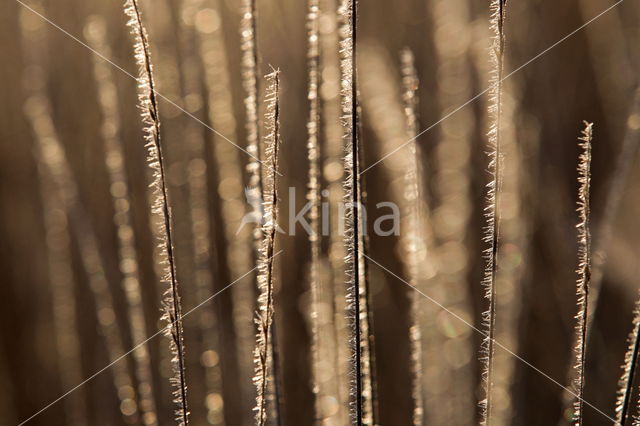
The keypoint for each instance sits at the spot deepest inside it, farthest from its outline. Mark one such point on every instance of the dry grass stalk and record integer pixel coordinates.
(514, 228)
(584, 268)
(360, 386)
(491, 233)
(264, 353)
(151, 119)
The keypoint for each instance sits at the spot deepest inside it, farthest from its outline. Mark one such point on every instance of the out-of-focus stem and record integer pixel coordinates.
(128, 262)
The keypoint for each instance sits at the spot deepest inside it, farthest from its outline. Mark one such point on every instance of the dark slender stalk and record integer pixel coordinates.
(265, 352)
(355, 199)
(151, 118)
(584, 267)
(493, 202)
(352, 239)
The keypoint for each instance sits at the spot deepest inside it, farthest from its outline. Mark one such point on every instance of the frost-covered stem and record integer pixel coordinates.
(355, 199)
(352, 240)
(357, 299)
(264, 352)
(337, 329)
(257, 190)
(584, 267)
(491, 233)
(313, 190)
(150, 117)
(412, 239)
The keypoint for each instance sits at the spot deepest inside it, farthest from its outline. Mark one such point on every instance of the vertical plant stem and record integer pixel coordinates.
(237, 242)
(352, 240)
(60, 194)
(208, 358)
(129, 268)
(392, 122)
(49, 156)
(332, 133)
(56, 224)
(492, 213)
(584, 267)
(450, 389)
(355, 199)
(264, 353)
(362, 393)
(250, 62)
(413, 239)
(313, 193)
(151, 119)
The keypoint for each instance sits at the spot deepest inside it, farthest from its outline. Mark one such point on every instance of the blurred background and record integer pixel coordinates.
(79, 277)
